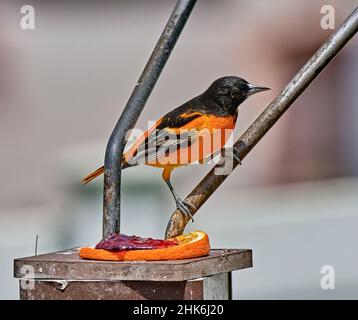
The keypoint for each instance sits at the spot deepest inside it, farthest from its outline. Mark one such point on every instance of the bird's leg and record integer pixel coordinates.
(182, 205)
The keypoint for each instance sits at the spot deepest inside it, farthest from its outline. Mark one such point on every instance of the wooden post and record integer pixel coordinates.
(63, 275)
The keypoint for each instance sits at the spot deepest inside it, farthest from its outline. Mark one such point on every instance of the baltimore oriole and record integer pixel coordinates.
(170, 142)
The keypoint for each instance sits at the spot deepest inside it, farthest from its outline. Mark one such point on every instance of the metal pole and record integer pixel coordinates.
(132, 110)
(268, 117)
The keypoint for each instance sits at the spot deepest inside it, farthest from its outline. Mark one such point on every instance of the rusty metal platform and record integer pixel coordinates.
(67, 265)
(63, 275)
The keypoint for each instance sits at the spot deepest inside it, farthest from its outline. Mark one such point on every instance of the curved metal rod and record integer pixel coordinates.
(132, 110)
(268, 117)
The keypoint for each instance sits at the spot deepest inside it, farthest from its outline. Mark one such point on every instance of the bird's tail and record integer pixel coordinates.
(93, 175)
(100, 170)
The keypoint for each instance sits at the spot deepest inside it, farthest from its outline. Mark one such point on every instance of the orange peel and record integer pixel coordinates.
(191, 245)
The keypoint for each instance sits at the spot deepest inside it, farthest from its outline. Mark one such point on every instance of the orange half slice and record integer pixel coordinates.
(191, 245)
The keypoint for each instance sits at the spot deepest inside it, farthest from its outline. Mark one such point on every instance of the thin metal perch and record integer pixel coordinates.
(132, 110)
(268, 117)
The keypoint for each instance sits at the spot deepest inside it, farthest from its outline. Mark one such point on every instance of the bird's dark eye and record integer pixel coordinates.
(235, 94)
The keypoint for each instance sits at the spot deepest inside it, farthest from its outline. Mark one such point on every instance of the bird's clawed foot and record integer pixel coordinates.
(235, 155)
(226, 152)
(184, 208)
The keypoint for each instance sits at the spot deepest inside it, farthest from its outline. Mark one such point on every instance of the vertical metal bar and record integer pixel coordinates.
(132, 110)
(269, 116)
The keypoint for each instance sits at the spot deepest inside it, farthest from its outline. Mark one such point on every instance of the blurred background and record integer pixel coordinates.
(63, 86)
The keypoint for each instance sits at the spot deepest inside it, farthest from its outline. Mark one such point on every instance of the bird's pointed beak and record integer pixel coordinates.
(253, 88)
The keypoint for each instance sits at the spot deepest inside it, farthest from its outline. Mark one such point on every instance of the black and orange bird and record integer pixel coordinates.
(177, 138)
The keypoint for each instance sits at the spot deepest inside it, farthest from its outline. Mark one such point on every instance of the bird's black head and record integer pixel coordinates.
(229, 92)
